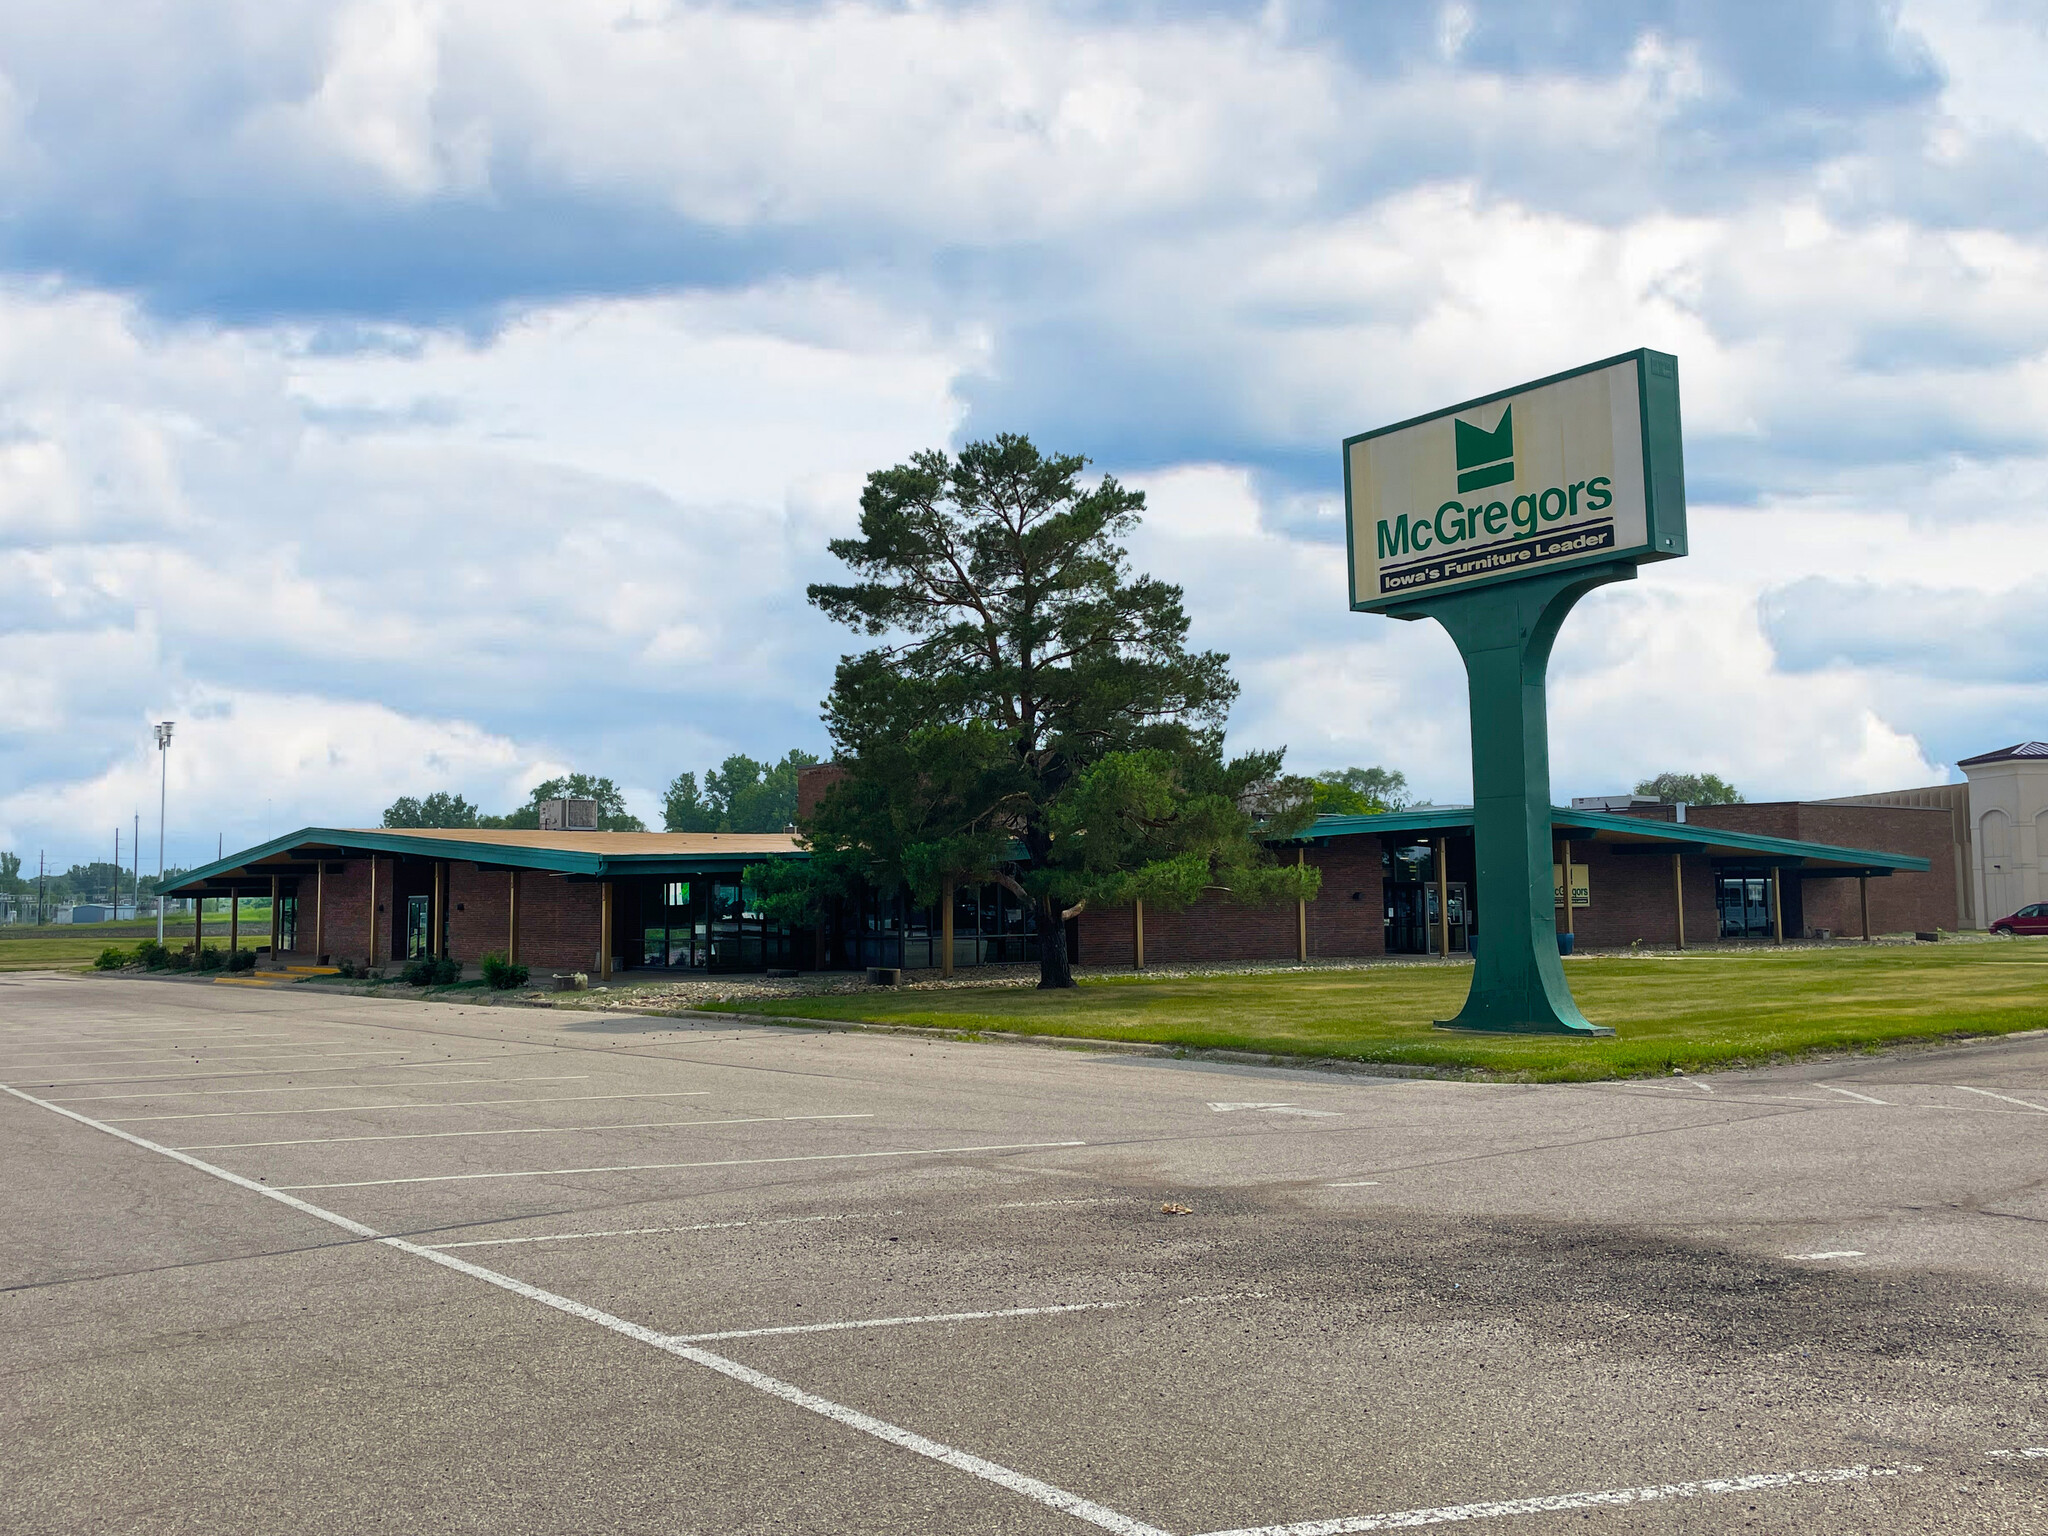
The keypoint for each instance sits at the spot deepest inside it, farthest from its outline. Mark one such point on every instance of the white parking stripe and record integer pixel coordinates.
(2005, 1096)
(193, 1077)
(524, 1130)
(1832, 1253)
(1851, 1093)
(730, 1162)
(223, 1093)
(695, 1226)
(1450, 1514)
(852, 1418)
(196, 1057)
(899, 1322)
(354, 1109)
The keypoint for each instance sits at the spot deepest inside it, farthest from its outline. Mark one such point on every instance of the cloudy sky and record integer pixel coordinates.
(415, 394)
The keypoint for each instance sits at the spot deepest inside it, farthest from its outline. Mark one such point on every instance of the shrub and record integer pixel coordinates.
(502, 973)
(211, 958)
(152, 954)
(346, 970)
(242, 960)
(112, 960)
(431, 971)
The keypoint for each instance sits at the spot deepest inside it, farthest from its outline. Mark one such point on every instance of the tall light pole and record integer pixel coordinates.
(163, 752)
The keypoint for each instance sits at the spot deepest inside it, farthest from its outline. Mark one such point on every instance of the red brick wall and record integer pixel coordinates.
(1216, 929)
(1899, 903)
(811, 784)
(1632, 899)
(345, 898)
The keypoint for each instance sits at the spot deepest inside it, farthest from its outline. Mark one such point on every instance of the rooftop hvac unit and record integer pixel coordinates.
(568, 815)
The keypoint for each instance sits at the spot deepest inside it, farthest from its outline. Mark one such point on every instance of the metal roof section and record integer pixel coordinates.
(1651, 836)
(590, 855)
(2018, 749)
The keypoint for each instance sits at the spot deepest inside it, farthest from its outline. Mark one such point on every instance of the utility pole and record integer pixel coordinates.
(114, 884)
(163, 752)
(39, 887)
(135, 845)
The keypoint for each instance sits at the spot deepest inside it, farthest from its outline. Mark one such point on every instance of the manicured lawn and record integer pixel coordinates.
(61, 948)
(1694, 1012)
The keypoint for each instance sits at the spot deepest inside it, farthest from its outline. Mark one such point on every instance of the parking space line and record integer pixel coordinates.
(1852, 1093)
(523, 1130)
(1042, 1493)
(351, 1109)
(1832, 1253)
(729, 1162)
(192, 1077)
(899, 1322)
(1607, 1497)
(222, 1093)
(168, 1061)
(695, 1226)
(2005, 1096)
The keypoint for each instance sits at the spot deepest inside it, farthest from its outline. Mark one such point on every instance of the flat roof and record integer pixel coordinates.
(1637, 832)
(590, 855)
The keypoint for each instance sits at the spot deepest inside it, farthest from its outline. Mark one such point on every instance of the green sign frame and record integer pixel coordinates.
(1494, 530)
(1505, 616)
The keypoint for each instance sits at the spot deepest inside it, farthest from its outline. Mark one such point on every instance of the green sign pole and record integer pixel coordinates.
(1493, 518)
(1505, 634)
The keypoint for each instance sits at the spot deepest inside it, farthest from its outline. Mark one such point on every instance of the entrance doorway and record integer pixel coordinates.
(418, 920)
(1413, 914)
(1744, 900)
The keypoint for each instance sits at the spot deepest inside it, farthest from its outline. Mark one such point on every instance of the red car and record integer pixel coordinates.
(2029, 920)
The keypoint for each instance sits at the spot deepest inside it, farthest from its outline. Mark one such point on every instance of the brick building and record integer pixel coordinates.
(1397, 883)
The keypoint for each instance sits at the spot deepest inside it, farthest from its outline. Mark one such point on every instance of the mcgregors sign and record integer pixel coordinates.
(1574, 469)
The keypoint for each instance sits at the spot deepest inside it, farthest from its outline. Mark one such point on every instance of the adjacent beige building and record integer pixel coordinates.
(2009, 826)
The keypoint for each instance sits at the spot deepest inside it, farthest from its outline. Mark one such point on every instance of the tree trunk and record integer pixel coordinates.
(1054, 968)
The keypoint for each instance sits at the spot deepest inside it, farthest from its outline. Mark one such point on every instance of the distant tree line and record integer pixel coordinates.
(740, 795)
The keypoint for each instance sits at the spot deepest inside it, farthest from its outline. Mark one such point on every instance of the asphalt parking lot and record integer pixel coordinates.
(277, 1261)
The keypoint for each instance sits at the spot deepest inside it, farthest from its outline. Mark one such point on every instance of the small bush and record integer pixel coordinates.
(152, 954)
(112, 960)
(346, 970)
(432, 971)
(211, 958)
(501, 973)
(242, 960)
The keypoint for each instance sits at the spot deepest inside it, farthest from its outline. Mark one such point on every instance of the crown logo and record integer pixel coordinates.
(1478, 450)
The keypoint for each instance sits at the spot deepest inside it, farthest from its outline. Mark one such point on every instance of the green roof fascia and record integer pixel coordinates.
(1449, 816)
(554, 860)
(1745, 842)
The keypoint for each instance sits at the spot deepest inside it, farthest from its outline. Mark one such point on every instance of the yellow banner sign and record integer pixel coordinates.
(1582, 886)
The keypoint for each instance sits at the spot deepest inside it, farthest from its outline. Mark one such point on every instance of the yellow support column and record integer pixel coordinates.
(604, 958)
(1678, 894)
(1777, 905)
(1863, 900)
(1301, 916)
(320, 912)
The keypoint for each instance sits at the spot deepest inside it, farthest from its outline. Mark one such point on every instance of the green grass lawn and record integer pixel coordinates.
(58, 947)
(1695, 1012)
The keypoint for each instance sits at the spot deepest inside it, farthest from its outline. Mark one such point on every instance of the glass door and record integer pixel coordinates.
(418, 919)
